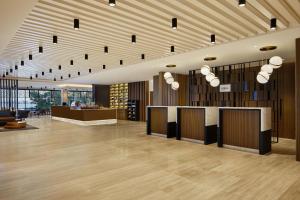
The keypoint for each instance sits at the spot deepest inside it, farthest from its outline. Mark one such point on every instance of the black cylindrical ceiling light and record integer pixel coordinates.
(273, 24)
(103, 66)
(54, 79)
(43, 73)
(172, 49)
(54, 39)
(16, 67)
(133, 39)
(78, 73)
(30, 56)
(22, 62)
(3, 75)
(59, 67)
(143, 56)
(50, 70)
(242, 3)
(30, 77)
(174, 23)
(69, 75)
(76, 24)
(213, 38)
(61, 77)
(11, 70)
(86, 56)
(106, 49)
(90, 70)
(121, 62)
(40, 49)
(36, 75)
(71, 62)
(112, 3)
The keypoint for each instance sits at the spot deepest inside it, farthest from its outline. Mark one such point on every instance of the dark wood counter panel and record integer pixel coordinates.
(245, 128)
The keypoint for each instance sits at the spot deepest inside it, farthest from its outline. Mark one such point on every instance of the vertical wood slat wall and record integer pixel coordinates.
(163, 95)
(297, 99)
(247, 92)
(140, 91)
(8, 94)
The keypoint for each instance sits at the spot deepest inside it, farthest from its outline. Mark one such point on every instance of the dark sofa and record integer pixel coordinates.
(6, 116)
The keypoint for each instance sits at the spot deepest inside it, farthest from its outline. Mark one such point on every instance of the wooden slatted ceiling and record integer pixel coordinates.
(102, 25)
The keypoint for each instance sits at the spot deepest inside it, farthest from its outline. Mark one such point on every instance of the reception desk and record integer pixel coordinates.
(85, 116)
(161, 120)
(197, 124)
(246, 128)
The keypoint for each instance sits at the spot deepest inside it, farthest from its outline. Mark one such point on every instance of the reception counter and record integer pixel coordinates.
(161, 120)
(246, 128)
(197, 124)
(85, 116)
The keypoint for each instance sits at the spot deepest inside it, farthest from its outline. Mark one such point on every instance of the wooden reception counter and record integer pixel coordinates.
(85, 116)
(161, 120)
(247, 128)
(197, 123)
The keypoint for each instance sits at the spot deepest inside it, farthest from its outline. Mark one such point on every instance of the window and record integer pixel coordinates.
(84, 97)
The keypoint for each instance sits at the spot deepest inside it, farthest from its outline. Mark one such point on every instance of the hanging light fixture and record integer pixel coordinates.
(106, 49)
(242, 3)
(103, 66)
(61, 77)
(121, 62)
(3, 75)
(43, 73)
(213, 38)
(16, 67)
(11, 70)
(90, 70)
(267, 68)
(112, 3)
(205, 69)
(36, 75)
(215, 82)
(59, 67)
(76, 24)
(54, 39)
(30, 56)
(273, 24)
(143, 56)
(69, 75)
(262, 77)
(22, 62)
(170, 80)
(40, 49)
(71, 62)
(276, 61)
(175, 85)
(78, 73)
(172, 49)
(54, 79)
(174, 23)
(50, 71)
(30, 77)
(167, 75)
(133, 39)
(86, 56)
(209, 76)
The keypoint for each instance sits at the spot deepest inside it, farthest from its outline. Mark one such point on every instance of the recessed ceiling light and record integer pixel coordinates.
(273, 24)
(210, 58)
(112, 3)
(268, 48)
(171, 66)
(54, 39)
(242, 3)
(76, 24)
(133, 39)
(174, 23)
(213, 38)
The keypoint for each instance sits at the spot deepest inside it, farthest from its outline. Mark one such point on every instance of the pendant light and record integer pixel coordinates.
(40, 49)
(54, 39)
(213, 38)
(54, 79)
(143, 56)
(172, 49)
(43, 73)
(242, 3)
(59, 67)
(76, 24)
(205, 69)
(215, 82)
(276, 61)
(78, 73)
(175, 85)
(61, 77)
(50, 70)
(11, 70)
(30, 77)
(30, 56)
(267, 68)
(16, 67)
(36, 75)
(106, 49)
(71, 62)
(69, 75)
(273, 24)
(86, 56)
(90, 70)
(103, 66)
(174, 23)
(167, 75)
(112, 3)
(209, 77)
(170, 80)
(262, 77)
(22, 62)
(121, 62)
(133, 39)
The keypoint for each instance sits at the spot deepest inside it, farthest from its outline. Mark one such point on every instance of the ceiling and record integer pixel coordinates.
(150, 20)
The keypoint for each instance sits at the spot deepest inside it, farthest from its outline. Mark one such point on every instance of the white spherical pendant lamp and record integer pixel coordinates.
(170, 80)
(167, 75)
(262, 77)
(276, 61)
(215, 82)
(209, 77)
(205, 70)
(267, 68)
(175, 85)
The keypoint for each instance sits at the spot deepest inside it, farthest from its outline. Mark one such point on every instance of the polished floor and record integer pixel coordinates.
(61, 161)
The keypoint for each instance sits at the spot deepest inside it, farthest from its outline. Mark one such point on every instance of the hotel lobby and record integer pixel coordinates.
(149, 99)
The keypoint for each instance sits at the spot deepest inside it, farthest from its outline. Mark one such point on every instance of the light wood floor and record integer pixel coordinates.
(61, 161)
